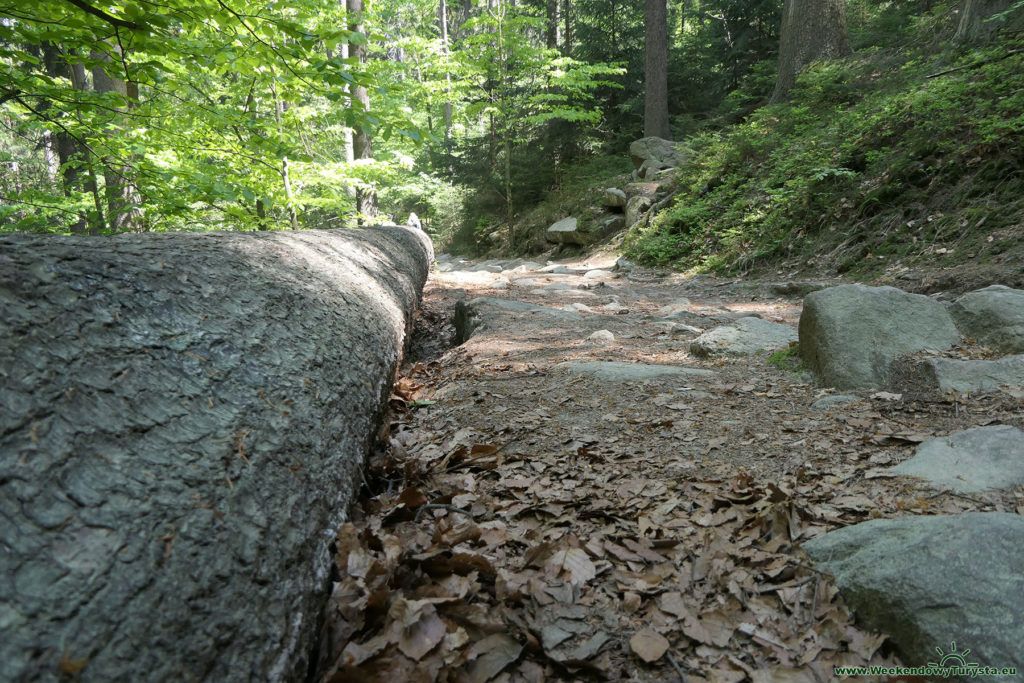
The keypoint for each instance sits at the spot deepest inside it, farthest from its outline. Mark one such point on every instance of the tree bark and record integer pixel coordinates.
(98, 222)
(552, 25)
(656, 70)
(362, 143)
(568, 33)
(811, 30)
(974, 27)
(120, 193)
(442, 14)
(183, 424)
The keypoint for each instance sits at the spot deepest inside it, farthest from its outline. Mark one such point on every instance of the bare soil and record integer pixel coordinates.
(522, 523)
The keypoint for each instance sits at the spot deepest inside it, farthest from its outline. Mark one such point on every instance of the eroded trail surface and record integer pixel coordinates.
(572, 494)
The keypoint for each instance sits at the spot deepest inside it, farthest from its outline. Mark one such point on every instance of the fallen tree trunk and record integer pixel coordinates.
(182, 423)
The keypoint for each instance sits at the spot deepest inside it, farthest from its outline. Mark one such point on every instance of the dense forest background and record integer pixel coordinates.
(492, 118)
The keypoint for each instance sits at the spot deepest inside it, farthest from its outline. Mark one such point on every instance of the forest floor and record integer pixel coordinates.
(524, 523)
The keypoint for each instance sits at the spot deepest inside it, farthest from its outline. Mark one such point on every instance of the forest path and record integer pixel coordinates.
(580, 525)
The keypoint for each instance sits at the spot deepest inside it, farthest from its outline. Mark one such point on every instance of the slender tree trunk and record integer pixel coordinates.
(506, 129)
(362, 143)
(656, 70)
(567, 20)
(286, 179)
(91, 184)
(347, 134)
(120, 194)
(811, 30)
(552, 25)
(442, 14)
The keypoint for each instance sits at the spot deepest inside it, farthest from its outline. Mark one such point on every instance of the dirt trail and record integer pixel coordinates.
(527, 522)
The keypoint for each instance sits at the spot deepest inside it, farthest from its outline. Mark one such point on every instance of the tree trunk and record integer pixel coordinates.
(567, 20)
(552, 25)
(974, 27)
(362, 143)
(811, 30)
(656, 70)
(347, 137)
(442, 14)
(120, 193)
(98, 222)
(184, 420)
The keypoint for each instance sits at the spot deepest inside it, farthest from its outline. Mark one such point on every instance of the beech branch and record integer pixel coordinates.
(109, 18)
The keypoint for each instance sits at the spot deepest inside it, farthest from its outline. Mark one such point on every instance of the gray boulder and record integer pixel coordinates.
(654, 149)
(615, 372)
(925, 377)
(849, 334)
(976, 459)
(183, 422)
(567, 231)
(994, 316)
(614, 198)
(635, 209)
(743, 337)
(932, 581)
(613, 223)
(474, 315)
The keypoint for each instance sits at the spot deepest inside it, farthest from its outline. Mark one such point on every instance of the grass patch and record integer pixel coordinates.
(788, 360)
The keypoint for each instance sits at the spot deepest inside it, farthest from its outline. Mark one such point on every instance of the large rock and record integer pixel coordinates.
(929, 377)
(664, 153)
(635, 209)
(932, 581)
(475, 315)
(976, 459)
(182, 425)
(567, 231)
(743, 337)
(994, 316)
(849, 334)
(615, 372)
(614, 198)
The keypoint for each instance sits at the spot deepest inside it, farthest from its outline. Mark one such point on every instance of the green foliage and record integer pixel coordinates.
(788, 359)
(871, 157)
(226, 99)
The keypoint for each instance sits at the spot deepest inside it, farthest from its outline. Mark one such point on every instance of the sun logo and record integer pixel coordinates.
(953, 658)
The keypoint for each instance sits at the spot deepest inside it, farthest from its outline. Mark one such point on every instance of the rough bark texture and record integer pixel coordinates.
(656, 70)
(362, 142)
(975, 26)
(181, 427)
(553, 26)
(811, 30)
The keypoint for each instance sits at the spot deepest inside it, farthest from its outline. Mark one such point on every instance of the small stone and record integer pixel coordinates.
(602, 337)
(597, 273)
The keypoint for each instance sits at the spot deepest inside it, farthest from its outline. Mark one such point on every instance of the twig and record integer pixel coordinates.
(440, 506)
(109, 18)
(947, 492)
(974, 65)
(679, 669)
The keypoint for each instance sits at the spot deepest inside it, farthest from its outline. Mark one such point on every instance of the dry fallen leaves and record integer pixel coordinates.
(475, 557)
(649, 645)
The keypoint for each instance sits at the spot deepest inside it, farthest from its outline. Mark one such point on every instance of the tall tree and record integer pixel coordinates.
(976, 20)
(656, 70)
(442, 12)
(122, 197)
(362, 143)
(552, 31)
(811, 30)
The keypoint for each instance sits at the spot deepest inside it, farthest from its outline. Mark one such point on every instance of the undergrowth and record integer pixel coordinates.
(874, 157)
